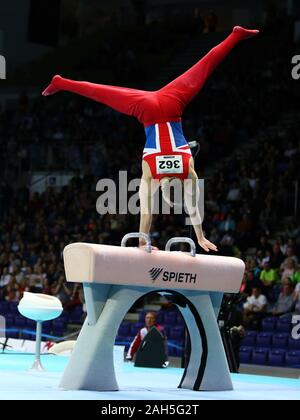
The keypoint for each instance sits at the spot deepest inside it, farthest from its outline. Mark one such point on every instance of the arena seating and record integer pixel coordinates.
(273, 346)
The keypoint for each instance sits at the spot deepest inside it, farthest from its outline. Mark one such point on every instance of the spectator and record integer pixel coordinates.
(214, 236)
(296, 299)
(244, 224)
(60, 289)
(150, 322)
(277, 256)
(249, 283)
(18, 274)
(82, 300)
(228, 224)
(11, 291)
(285, 302)
(254, 267)
(255, 308)
(264, 245)
(227, 243)
(35, 278)
(23, 287)
(269, 277)
(46, 287)
(289, 269)
(234, 193)
(24, 267)
(5, 277)
(296, 276)
(267, 258)
(259, 256)
(293, 229)
(75, 299)
(289, 254)
(283, 246)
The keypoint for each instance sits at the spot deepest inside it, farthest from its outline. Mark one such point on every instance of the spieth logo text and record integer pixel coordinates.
(164, 275)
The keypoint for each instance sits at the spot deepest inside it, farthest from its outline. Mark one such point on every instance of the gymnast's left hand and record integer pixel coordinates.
(207, 245)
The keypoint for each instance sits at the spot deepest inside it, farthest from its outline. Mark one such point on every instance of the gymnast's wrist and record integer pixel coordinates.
(200, 236)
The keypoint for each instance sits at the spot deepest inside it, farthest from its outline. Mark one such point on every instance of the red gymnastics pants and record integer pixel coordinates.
(164, 105)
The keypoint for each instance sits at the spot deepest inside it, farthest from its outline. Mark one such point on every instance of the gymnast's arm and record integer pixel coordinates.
(191, 197)
(146, 191)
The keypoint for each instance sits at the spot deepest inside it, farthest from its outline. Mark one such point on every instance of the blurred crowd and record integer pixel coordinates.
(271, 284)
(248, 199)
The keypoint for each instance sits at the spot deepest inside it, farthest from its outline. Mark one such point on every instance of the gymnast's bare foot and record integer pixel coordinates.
(245, 33)
(53, 87)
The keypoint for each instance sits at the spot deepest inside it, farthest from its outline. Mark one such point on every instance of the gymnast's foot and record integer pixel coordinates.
(245, 33)
(53, 87)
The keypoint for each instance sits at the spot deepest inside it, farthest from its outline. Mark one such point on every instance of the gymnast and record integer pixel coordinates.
(166, 155)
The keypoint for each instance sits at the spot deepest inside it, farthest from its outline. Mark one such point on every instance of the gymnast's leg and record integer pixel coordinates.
(121, 99)
(182, 89)
(186, 86)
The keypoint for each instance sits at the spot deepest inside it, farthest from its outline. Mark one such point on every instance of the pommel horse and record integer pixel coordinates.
(115, 277)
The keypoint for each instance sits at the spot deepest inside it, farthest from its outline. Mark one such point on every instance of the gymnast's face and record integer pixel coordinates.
(150, 320)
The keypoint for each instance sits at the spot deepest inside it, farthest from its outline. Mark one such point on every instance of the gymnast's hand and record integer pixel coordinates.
(207, 245)
(153, 248)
